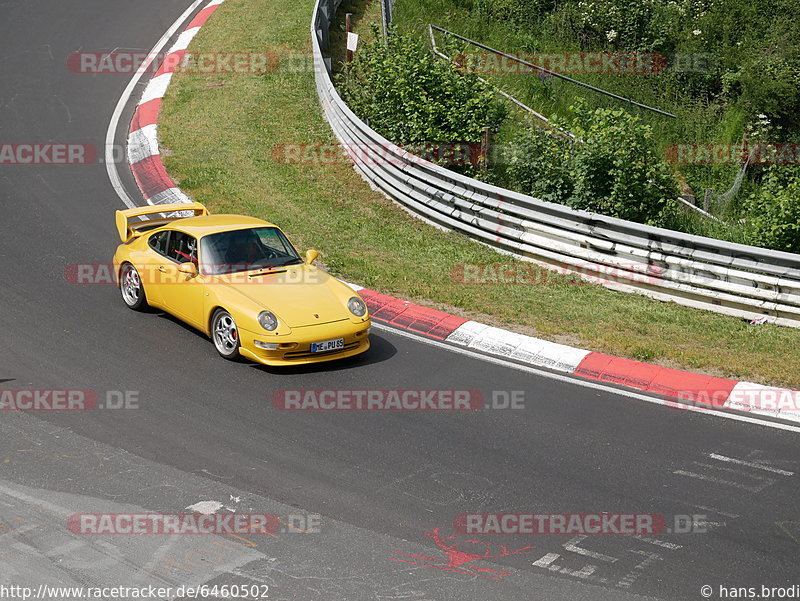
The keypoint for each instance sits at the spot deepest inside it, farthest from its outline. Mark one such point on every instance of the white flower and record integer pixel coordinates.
(611, 35)
(696, 32)
(762, 116)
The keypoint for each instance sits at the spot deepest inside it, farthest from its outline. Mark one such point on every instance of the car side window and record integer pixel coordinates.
(182, 248)
(158, 242)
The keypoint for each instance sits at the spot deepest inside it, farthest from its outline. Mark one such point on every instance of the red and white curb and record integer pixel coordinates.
(680, 386)
(143, 154)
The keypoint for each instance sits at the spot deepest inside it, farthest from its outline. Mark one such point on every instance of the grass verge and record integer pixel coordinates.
(221, 132)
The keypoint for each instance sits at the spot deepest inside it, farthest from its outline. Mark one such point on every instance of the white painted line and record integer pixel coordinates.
(572, 545)
(712, 510)
(714, 479)
(544, 562)
(113, 125)
(584, 383)
(658, 542)
(710, 524)
(205, 507)
(759, 466)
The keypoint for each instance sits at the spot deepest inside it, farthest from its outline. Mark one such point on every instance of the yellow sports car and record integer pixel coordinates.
(241, 282)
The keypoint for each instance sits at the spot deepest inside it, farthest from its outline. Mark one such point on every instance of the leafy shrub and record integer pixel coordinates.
(767, 84)
(645, 25)
(611, 168)
(773, 213)
(753, 46)
(519, 12)
(409, 96)
(539, 165)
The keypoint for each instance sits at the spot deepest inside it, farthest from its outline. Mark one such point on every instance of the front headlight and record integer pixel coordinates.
(268, 320)
(357, 307)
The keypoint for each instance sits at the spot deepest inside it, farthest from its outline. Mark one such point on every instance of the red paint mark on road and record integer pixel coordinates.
(457, 559)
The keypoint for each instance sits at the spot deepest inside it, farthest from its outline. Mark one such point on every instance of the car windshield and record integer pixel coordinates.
(246, 250)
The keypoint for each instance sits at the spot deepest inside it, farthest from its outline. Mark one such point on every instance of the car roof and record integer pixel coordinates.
(214, 224)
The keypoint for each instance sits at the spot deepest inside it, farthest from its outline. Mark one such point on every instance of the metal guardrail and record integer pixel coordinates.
(720, 276)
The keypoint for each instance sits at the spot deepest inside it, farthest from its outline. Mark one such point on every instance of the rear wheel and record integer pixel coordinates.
(225, 334)
(131, 288)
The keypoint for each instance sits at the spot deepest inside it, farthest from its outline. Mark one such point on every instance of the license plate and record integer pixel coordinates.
(327, 345)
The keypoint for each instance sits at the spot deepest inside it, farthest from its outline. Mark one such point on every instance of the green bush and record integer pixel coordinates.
(522, 13)
(611, 168)
(773, 213)
(539, 165)
(770, 85)
(752, 46)
(411, 97)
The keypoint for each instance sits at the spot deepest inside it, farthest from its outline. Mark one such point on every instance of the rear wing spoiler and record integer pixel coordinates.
(128, 230)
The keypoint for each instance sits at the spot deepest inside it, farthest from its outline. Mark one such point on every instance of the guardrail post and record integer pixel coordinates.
(486, 147)
(348, 58)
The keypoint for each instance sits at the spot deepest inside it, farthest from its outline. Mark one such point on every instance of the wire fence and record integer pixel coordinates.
(548, 73)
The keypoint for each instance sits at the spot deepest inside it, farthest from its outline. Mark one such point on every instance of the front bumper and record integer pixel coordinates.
(295, 348)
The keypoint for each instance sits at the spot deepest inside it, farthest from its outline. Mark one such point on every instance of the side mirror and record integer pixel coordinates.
(311, 256)
(188, 268)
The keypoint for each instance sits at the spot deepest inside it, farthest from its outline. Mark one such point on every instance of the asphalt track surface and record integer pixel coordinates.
(204, 429)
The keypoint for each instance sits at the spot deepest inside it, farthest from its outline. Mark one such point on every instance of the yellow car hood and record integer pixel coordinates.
(299, 295)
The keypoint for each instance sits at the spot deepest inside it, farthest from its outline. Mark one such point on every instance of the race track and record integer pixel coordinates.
(205, 429)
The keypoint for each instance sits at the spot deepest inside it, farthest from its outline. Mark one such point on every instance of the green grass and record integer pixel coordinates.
(220, 132)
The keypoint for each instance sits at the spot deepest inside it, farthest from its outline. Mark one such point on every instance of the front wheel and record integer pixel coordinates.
(131, 288)
(225, 334)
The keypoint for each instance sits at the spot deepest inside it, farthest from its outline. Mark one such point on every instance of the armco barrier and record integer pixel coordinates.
(720, 276)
